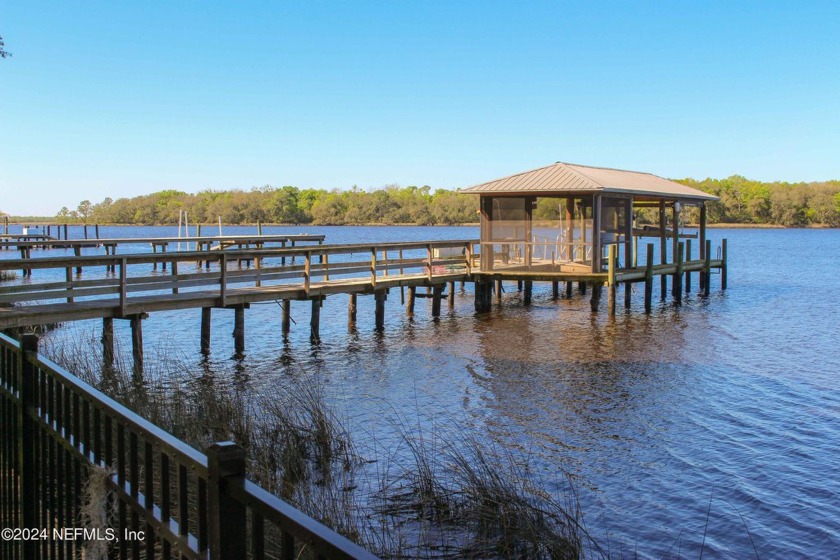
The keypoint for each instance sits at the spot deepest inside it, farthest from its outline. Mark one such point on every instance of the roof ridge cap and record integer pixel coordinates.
(609, 168)
(584, 175)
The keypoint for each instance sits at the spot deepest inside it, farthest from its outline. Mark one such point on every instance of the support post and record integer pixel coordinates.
(437, 292)
(239, 329)
(595, 299)
(702, 247)
(315, 321)
(555, 289)
(108, 341)
(452, 295)
(409, 304)
(483, 293)
(612, 257)
(351, 310)
(287, 317)
(206, 315)
(77, 251)
(678, 275)
(380, 296)
(674, 248)
(528, 285)
(569, 288)
(687, 259)
(137, 342)
(707, 268)
(649, 278)
(723, 264)
(663, 248)
(27, 460)
(498, 289)
(227, 516)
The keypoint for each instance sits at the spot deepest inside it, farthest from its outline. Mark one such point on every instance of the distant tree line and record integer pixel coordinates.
(741, 201)
(286, 205)
(784, 204)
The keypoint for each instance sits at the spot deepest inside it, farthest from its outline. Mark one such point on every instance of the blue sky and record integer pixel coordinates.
(125, 98)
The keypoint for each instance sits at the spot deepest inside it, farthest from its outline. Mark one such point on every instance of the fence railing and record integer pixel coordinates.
(70, 456)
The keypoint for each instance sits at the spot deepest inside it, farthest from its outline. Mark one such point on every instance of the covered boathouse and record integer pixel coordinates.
(576, 223)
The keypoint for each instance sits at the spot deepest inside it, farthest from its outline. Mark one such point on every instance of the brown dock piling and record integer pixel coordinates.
(239, 329)
(612, 257)
(723, 264)
(529, 286)
(380, 296)
(678, 274)
(137, 342)
(649, 278)
(108, 341)
(286, 306)
(687, 272)
(437, 293)
(409, 304)
(206, 315)
(315, 321)
(351, 310)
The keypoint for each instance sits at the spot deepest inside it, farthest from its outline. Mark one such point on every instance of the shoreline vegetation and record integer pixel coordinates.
(437, 494)
(743, 203)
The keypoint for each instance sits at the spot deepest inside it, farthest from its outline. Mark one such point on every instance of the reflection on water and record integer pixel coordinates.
(720, 418)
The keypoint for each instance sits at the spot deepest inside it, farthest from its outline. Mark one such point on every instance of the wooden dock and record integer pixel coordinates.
(129, 286)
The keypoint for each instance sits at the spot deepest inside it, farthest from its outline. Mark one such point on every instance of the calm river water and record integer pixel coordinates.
(713, 425)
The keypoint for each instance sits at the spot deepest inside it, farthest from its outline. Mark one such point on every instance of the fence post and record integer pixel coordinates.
(28, 466)
(227, 517)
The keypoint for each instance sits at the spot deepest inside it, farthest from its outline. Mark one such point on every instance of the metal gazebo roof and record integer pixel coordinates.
(570, 178)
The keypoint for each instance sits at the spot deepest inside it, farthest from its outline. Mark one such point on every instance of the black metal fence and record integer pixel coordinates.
(83, 476)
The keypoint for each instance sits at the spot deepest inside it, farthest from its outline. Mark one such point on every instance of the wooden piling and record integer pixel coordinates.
(239, 329)
(379, 297)
(529, 285)
(595, 299)
(569, 288)
(351, 310)
(286, 306)
(409, 304)
(612, 257)
(206, 314)
(498, 289)
(452, 295)
(77, 250)
(723, 264)
(707, 269)
(582, 287)
(649, 278)
(483, 294)
(555, 289)
(663, 249)
(437, 292)
(97, 230)
(678, 275)
(137, 342)
(315, 322)
(519, 285)
(108, 341)
(687, 259)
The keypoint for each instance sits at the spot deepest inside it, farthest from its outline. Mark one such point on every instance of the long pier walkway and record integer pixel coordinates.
(130, 286)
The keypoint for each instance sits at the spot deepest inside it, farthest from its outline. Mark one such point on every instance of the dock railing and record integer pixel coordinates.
(61, 437)
(301, 272)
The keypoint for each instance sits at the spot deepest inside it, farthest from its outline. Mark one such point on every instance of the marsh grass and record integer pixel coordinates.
(446, 494)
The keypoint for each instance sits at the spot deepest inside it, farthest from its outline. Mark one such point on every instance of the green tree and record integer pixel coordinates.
(3, 52)
(84, 209)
